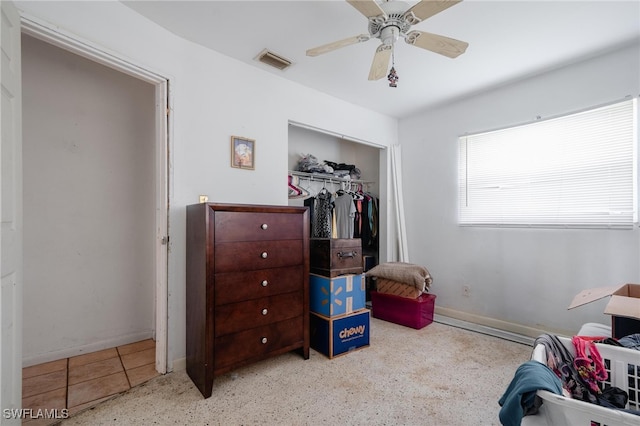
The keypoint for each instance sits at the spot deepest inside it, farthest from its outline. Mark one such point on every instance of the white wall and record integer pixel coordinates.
(522, 276)
(88, 170)
(214, 97)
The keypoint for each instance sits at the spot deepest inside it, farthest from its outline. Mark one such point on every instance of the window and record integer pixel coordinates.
(578, 170)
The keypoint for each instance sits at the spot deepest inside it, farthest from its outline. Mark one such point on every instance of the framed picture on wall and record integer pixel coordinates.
(243, 152)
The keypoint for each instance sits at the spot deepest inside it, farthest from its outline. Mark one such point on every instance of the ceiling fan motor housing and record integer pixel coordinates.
(394, 25)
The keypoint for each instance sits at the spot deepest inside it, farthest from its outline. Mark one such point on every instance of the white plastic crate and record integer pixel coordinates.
(623, 368)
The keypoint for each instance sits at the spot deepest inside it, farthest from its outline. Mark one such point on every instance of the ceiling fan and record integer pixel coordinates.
(388, 21)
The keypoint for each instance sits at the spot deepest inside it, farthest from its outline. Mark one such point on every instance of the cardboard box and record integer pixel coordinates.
(336, 296)
(624, 306)
(414, 313)
(339, 335)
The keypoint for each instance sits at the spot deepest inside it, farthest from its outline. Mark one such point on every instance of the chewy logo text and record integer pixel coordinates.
(348, 332)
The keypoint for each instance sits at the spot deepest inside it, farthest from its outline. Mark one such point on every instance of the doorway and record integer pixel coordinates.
(95, 208)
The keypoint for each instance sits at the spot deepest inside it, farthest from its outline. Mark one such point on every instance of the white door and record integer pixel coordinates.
(10, 215)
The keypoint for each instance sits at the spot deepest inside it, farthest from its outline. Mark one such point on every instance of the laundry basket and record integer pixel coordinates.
(623, 368)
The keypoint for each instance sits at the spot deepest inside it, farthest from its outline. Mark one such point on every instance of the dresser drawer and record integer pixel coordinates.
(256, 342)
(249, 226)
(249, 256)
(239, 316)
(238, 286)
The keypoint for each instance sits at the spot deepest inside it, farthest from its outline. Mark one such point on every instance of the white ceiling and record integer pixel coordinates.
(508, 40)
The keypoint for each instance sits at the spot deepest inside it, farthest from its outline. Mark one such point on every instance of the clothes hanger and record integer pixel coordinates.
(294, 190)
(306, 192)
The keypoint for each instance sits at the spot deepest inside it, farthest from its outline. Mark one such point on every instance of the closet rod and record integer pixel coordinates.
(326, 178)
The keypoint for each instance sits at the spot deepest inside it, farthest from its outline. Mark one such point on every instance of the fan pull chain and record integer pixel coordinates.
(393, 76)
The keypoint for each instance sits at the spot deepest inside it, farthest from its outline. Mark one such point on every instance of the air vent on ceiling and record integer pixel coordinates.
(273, 59)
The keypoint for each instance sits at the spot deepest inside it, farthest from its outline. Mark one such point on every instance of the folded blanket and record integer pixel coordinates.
(396, 288)
(403, 272)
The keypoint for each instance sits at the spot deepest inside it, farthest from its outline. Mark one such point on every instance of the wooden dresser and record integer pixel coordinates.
(247, 286)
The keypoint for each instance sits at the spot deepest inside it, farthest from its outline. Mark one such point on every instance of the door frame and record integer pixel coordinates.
(163, 105)
(11, 265)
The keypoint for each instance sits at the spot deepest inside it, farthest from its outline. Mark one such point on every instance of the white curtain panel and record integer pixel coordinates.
(396, 174)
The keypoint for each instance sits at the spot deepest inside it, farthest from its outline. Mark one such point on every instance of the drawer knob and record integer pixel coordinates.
(264, 311)
(264, 255)
(264, 340)
(264, 283)
(264, 226)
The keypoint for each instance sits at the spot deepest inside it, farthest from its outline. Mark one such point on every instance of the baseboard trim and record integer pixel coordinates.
(485, 325)
(179, 364)
(85, 349)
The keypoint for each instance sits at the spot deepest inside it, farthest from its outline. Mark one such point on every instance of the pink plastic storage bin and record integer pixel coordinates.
(414, 313)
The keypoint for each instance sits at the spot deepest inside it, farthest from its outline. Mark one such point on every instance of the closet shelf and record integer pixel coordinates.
(327, 178)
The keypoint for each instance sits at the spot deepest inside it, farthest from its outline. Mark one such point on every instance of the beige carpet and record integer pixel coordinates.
(439, 375)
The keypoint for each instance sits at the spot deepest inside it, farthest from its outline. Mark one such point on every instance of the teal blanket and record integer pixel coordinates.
(520, 397)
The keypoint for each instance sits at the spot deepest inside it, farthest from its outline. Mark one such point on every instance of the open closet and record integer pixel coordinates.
(346, 201)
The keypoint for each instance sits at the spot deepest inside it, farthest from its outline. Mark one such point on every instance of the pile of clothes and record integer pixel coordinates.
(578, 376)
(309, 164)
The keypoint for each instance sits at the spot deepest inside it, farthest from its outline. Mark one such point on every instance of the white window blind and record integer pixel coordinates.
(574, 171)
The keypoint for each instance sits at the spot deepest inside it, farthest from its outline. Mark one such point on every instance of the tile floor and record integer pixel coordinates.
(83, 381)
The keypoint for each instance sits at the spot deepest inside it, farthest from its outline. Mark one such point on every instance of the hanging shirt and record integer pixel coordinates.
(311, 203)
(357, 219)
(322, 217)
(345, 213)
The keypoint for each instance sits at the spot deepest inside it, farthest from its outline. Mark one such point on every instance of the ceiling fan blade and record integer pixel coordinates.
(426, 9)
(436, 43)
(368, 8)
(380, 62)
(337, 45)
